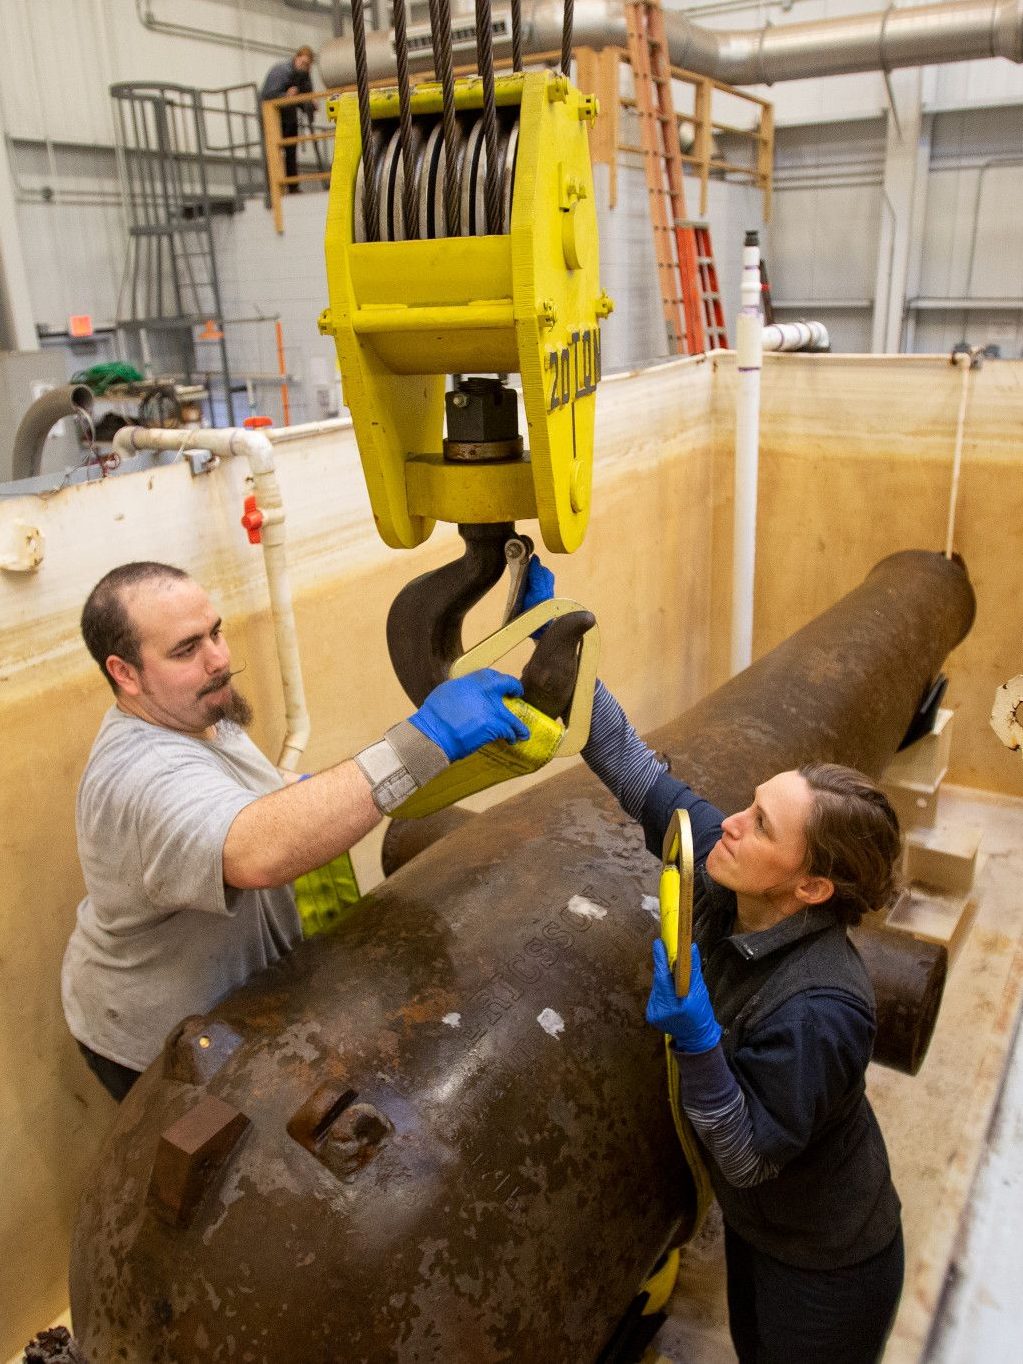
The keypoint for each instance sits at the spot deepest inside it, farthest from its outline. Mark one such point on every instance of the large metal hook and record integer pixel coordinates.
(424, 624)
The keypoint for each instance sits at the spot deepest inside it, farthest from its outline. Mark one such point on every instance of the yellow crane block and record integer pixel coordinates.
(405, 314)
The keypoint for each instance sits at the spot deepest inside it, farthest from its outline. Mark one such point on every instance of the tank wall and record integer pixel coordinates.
(856, 462)
(856, 456)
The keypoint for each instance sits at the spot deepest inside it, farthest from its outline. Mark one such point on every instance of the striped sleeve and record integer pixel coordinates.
(717, 1107)
(617, 755)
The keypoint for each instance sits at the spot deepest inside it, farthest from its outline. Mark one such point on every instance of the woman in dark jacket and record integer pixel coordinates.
(773, 1040)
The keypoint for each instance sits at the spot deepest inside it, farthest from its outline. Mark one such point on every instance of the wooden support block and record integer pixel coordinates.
(915, 806)
(944, 857)
(934, 918)
(924, 762)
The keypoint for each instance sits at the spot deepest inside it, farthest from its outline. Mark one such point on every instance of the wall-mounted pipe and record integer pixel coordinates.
(174, 29)
(748, 360)
(752, 339)
(258, 450)
(811, 336)
(69, 400)
(880, 41)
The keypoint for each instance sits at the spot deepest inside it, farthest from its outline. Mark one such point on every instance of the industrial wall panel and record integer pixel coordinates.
(271, 276)
(62, 55)
(75, 253)
(823, 242)
(973, 241)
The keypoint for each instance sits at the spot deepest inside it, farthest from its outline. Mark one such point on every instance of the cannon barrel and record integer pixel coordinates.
(442, 1133)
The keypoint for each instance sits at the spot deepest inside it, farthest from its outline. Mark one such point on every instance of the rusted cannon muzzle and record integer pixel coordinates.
(842, 689)
(458, 1145)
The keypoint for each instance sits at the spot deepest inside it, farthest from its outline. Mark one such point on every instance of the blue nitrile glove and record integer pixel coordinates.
(690, 1022)
(539, 588)
(464, 713)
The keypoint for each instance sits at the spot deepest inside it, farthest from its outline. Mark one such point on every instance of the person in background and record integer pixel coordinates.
(773, 1039)
(189, 838)
(291, 77)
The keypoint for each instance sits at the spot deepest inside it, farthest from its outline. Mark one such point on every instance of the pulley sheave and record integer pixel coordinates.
(409, 309)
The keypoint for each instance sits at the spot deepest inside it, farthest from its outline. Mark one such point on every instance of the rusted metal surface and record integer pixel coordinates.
(908, 978)
(407, 838)
(486, 1008)
(908, 974)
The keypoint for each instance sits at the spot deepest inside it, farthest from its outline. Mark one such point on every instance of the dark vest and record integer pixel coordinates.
(834, 1204)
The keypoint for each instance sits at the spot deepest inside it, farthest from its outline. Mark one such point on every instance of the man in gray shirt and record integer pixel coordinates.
(189, 838)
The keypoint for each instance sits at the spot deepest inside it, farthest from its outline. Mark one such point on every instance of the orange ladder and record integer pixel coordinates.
(685, 261)
(713, 314)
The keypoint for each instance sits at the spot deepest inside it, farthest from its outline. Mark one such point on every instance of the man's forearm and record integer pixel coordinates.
(304, 825)
(307, 824)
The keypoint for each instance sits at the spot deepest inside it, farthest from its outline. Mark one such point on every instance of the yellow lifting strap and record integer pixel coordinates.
(676, 901)
(326, 896)
(490, 764)
(499, 761)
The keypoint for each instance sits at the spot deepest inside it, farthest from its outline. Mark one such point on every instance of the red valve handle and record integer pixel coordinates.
(252, 520)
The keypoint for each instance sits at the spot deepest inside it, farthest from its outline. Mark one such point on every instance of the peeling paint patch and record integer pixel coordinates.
(298, 1041)
(452, 1020)
(586, 909)
(652, 906)
(551, 1022)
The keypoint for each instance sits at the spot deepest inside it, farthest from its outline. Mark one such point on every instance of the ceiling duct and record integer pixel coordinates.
(882, 41)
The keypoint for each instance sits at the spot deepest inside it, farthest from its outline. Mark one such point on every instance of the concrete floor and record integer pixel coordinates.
(955, 1138)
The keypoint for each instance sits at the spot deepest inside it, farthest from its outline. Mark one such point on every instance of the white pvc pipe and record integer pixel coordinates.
(748, 359)
(796, 336)
(256, 447)
(280, 435)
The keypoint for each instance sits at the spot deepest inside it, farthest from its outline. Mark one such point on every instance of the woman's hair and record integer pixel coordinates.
(852, 838)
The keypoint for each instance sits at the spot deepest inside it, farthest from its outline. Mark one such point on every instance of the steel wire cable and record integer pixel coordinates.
(408, 195)
(516, 16)
(440, 27)
(566, 36)
(369, 179)
(485, 61)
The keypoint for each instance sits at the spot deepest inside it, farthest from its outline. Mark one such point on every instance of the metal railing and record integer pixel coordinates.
(183, 155)
(596, 73)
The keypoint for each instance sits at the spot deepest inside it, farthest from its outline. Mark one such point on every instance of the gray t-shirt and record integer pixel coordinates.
(159, 936)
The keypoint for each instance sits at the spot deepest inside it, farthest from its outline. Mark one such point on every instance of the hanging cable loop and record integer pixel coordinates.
(369, 170)
(485, 60)
(440, 27)
(408, 153)
(566, 37)
(516, 18)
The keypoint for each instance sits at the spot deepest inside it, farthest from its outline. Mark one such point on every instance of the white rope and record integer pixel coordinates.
(966, 361)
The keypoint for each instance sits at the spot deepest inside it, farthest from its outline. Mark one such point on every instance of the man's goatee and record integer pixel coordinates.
(236, 709)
